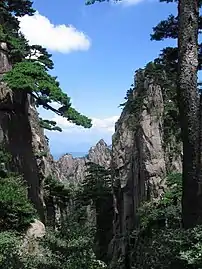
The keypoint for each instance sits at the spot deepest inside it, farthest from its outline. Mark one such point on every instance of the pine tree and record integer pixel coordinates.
(168, 28)
(189, 106)
(30, 65)
(97, 182)
(186, 26)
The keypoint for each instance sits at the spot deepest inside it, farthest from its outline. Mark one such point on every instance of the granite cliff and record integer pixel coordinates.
(24, 139)
(73, 169)
(142, 156)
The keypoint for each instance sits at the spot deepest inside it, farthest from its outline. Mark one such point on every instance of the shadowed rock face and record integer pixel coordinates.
(73, 169)
(22, 136)
(16, 134)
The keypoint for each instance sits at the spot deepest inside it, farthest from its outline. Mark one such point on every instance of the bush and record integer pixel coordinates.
(16, 212)
(9, 251)
(160, 241)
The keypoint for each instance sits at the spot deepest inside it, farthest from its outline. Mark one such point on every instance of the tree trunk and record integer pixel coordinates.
(188, 98)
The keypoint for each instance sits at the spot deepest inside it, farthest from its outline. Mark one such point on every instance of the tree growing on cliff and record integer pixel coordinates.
(30, 65)
(97, 183)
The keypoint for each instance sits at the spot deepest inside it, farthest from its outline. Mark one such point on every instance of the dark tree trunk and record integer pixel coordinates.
(189, 108)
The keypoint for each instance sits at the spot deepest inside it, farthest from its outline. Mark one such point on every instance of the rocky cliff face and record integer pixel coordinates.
(73, 169)
(139, 159)
(21, 135)
(44, 161)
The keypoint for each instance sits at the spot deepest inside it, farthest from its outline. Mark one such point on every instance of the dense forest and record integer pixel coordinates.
(166, 229)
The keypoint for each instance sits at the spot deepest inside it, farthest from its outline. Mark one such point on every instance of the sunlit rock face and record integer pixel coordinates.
(34, 233)
(73, 169)
(139, 159)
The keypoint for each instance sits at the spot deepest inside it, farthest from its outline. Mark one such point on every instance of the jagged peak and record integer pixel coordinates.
(66, 155)
(101, 142)
(100, 146)
(74, 168)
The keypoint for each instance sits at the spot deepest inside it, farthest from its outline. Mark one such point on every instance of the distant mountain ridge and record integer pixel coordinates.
(72, 167)
(57, 156)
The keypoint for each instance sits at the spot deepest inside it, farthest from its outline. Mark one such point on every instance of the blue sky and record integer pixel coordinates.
(95, 52)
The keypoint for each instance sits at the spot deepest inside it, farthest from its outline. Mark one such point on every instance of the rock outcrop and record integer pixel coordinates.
(34, 233)
(44, 160)
(73, 169)
(139, 159)
(22, 137)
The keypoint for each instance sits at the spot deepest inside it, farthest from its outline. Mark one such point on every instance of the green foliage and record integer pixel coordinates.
(32, 77)
(41, 154)
(55, 188)
(153, 245)
(42, 56)
(9, 250)
(168, 248)
(5, 157)
(31, 65)
(129, 96)
(18, 47)
(16, 212)
(97, 183)
(10, 10)
(165, 212)
(49, 125)
(135, 99)
(166, 29)
(160, 241)
(71, 246)
(67, 251)
(169, 29)
(159, 249)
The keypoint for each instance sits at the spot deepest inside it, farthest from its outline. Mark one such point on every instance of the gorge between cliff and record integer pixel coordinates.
(121, 206)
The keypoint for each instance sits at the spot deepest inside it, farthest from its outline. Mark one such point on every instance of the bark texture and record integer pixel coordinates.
(189, 109)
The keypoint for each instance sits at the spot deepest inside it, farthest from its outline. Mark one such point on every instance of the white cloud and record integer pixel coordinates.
(61, 38)
(105, 125)
(78, 139)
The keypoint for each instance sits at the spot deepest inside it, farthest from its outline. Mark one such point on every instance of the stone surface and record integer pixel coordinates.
(22, 136)
(139, 159)
(34, 233)
(44, 160)
(36, 230)
(73, 169)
